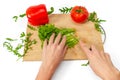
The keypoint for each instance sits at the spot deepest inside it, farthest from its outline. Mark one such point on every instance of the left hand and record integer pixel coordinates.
(54, 52)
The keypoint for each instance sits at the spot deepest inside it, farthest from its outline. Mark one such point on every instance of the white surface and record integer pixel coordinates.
(10, 69)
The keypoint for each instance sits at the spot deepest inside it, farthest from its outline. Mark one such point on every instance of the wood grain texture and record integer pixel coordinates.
(85, 32)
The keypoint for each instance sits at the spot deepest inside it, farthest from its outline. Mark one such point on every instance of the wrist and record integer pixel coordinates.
(45, 73)
(47, 68)
(114, 76)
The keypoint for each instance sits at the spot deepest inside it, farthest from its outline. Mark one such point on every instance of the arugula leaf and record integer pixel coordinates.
(22, 35)
(26, 43)
(8, 46)
(45, 31)
(97, 21)
(19, 16)
(65, 10)
(51, 10)
(10, 39)
(32, 28)
(15, 18)
(85, 64)
(22, 15)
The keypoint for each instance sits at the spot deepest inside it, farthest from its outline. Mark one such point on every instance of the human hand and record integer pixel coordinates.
(53, 52)
(101, 63)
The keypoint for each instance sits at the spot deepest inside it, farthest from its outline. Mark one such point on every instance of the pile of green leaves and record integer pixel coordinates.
(45, 31)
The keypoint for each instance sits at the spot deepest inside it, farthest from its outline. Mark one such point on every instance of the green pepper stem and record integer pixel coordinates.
(51, 10)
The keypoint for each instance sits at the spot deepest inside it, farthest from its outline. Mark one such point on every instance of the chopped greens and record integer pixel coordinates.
(65, 10)
(97, 21)
(16, 17)
(26, 43)
(45, 31)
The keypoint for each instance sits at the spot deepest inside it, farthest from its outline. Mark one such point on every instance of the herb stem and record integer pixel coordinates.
(51, 10)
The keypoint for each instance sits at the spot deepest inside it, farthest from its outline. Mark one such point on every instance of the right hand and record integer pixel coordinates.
(101, 63)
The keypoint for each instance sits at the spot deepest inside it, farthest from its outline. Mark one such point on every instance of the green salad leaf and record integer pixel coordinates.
(45, 31)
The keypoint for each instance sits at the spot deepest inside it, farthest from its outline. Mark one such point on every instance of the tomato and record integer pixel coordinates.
(79, 14)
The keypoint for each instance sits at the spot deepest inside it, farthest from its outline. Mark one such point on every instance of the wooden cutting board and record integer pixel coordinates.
(85, 32)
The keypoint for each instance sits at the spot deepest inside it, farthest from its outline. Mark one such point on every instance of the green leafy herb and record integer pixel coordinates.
(22, 35)
(10, 39)
(97, 21)
(85, 64)
(65, 10)
(51, 10)
(22, 15)
(32, 28)
(98, 28)
(16, 17)
(10, 48)
(26, 43)
(45, 31)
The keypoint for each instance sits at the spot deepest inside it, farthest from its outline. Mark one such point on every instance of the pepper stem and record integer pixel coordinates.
(51, 10)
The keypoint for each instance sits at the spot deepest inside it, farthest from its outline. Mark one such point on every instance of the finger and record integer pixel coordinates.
(51, 40)
(63, 41)
(57, 40)
(108, 58)
(65, 49)
(85, 49)
(45, 44)
(44, 47)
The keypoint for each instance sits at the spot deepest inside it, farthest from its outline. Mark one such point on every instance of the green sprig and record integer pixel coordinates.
(51, 10)
(85, 64)
(65, 10)
(97, 21)
(32, 28)
(26, 43)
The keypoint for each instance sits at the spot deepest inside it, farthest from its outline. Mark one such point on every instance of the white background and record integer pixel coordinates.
(10, 69)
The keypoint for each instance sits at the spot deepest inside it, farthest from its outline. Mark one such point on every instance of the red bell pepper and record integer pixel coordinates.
(37, 15)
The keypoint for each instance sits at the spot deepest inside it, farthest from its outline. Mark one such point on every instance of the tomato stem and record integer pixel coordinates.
(79, 11)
